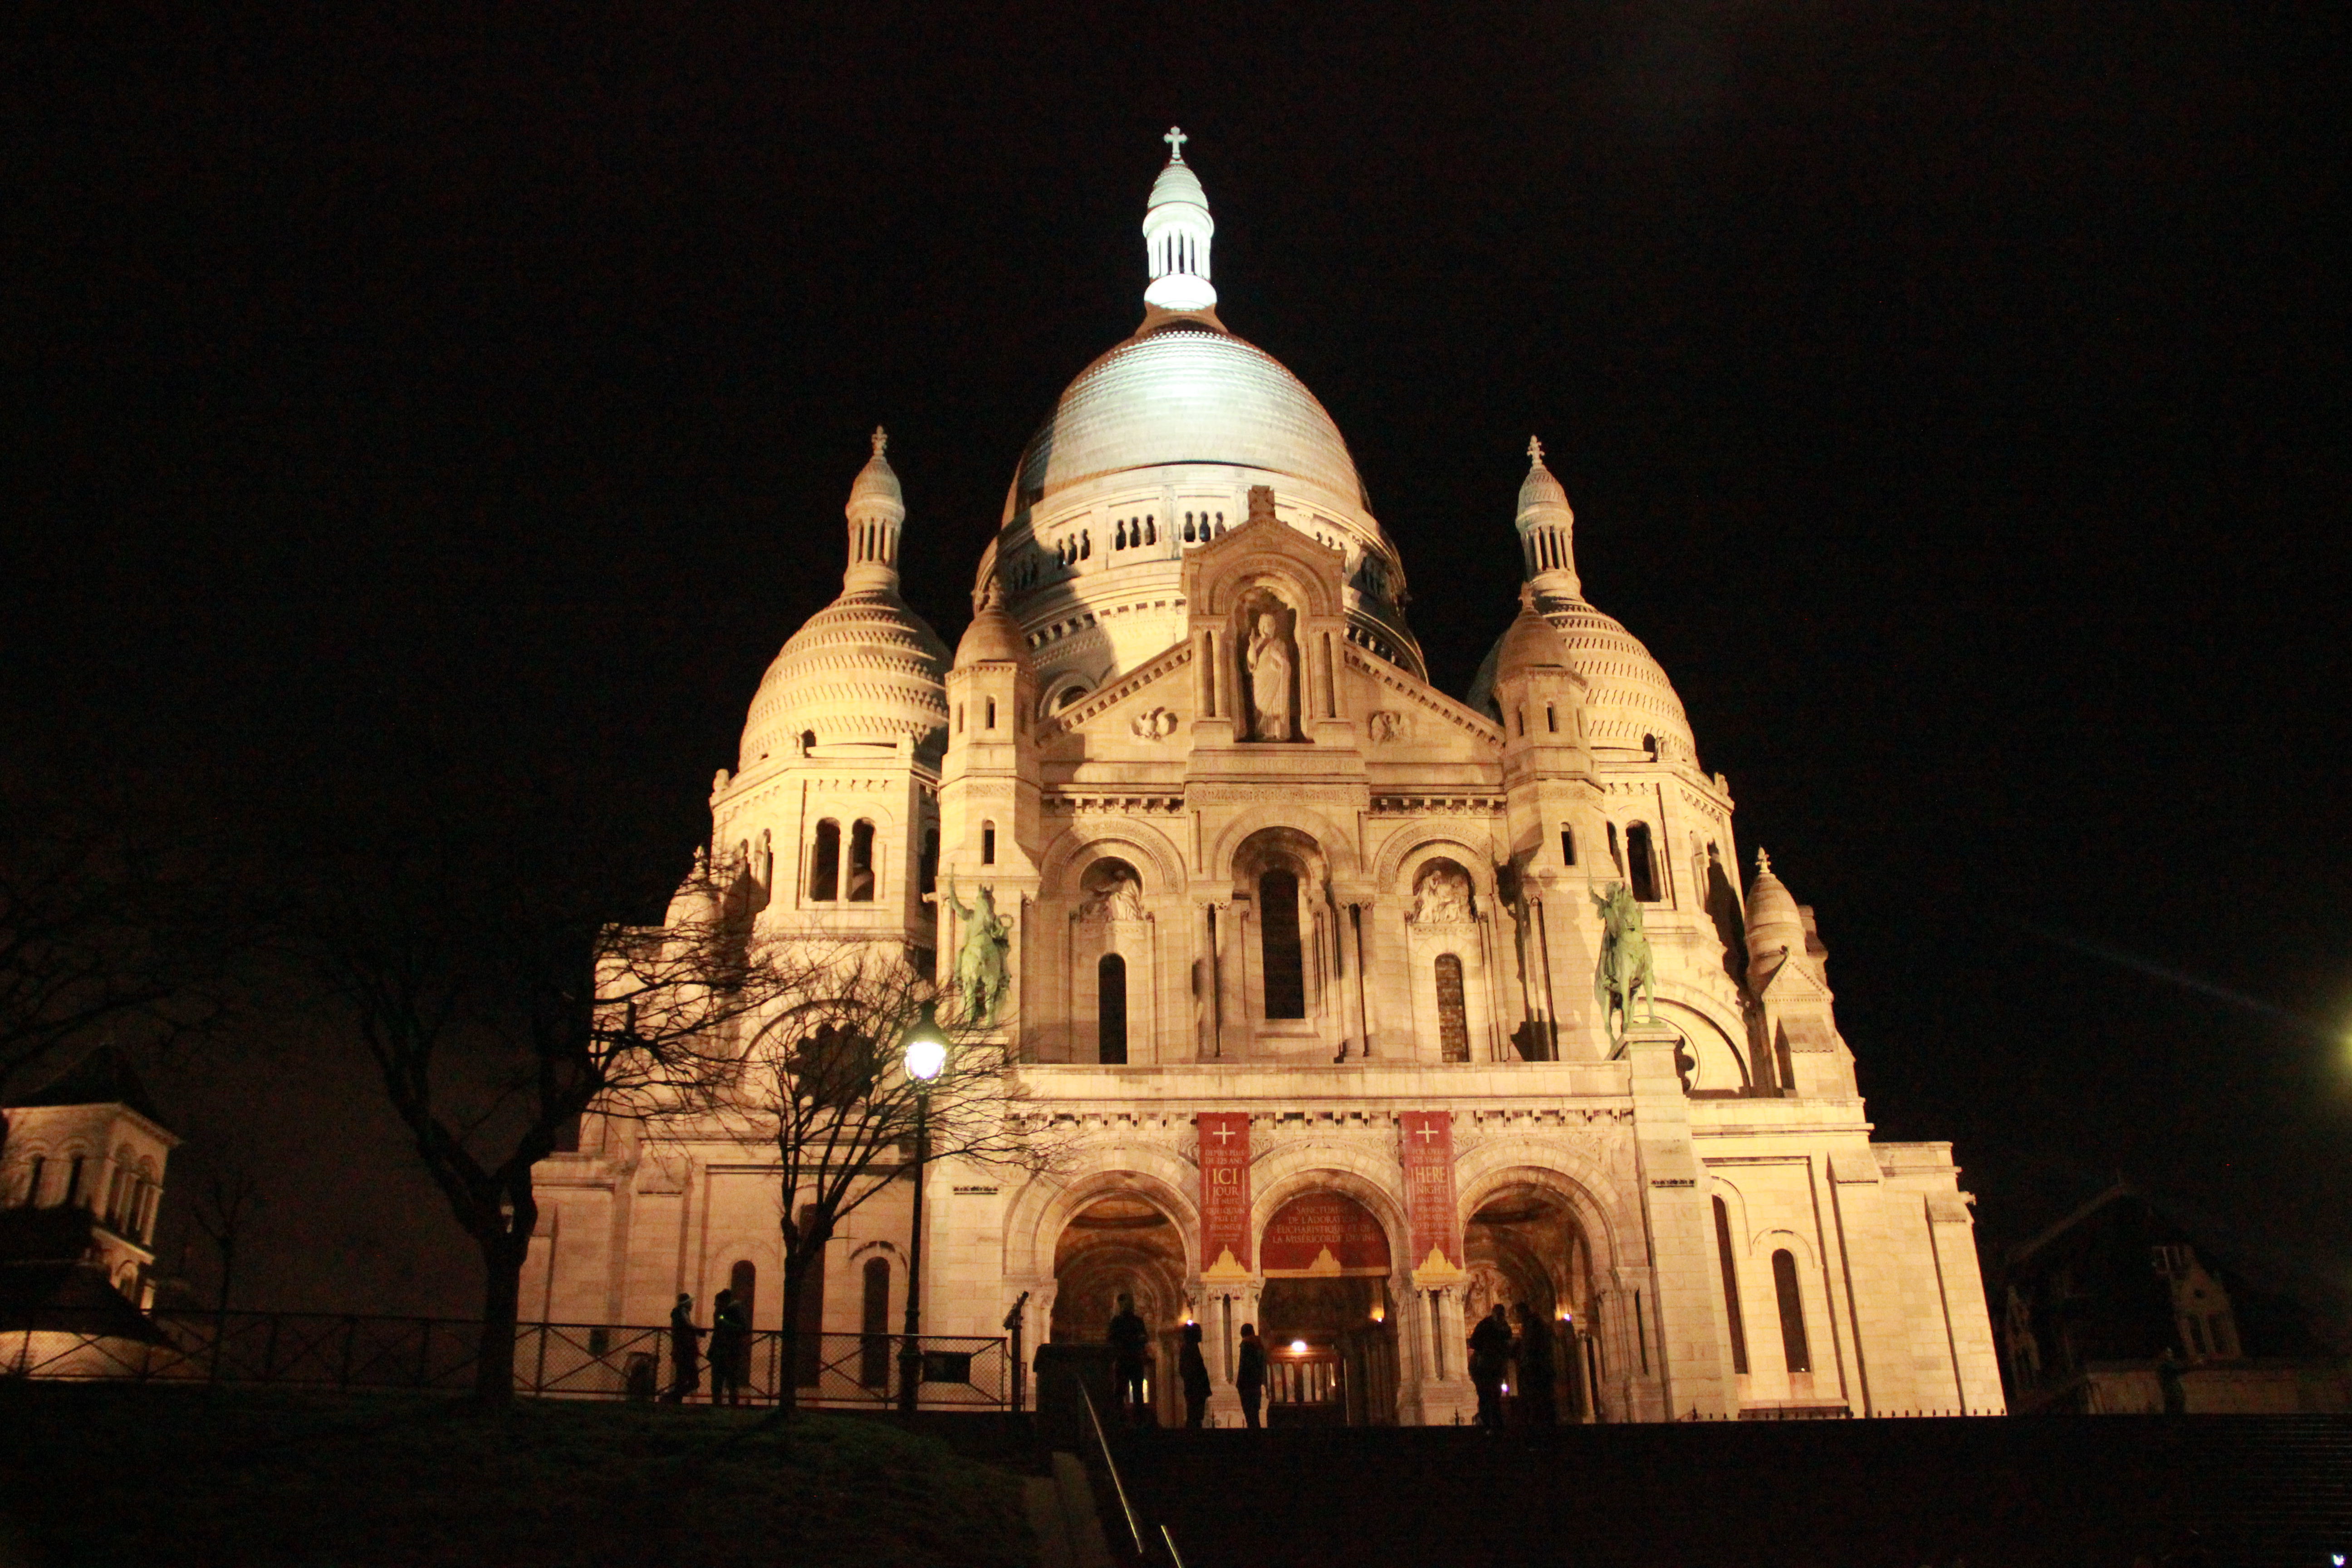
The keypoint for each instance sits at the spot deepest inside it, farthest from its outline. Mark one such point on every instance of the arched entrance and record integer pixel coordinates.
(1121, 1245)
(1524, 1245)
(1331, 1337)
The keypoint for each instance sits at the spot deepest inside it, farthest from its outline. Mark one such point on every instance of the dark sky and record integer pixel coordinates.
(1951, 397)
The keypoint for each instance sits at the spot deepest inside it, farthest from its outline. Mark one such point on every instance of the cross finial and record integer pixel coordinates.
(1763, 863)
(881, 440)
(1535, 449)
(1175, 140)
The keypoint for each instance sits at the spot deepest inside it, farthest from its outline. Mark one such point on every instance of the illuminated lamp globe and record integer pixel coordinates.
(926, 1047)
(1298, 1347)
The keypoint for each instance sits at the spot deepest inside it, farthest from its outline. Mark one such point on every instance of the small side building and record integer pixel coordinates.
(2123, 1308)
(81, 1178)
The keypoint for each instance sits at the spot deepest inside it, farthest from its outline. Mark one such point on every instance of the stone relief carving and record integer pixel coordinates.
(1442, 896)
(1389, 727)
(1156, 725)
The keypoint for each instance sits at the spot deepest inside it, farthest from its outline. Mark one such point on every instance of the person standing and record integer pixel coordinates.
(1490, 1358)
(1535, 1358)
(685, 1352)
(728, 1333)
(1130, 1342)
(1194, 1372)
(1250, 1375)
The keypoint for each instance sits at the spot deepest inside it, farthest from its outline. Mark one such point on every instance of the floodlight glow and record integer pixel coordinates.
(1298, 1347)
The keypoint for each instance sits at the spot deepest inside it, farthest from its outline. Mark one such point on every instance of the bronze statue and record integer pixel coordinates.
(1625, 966)
(981, 962)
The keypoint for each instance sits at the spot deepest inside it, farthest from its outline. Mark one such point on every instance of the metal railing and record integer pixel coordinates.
(577, 1361)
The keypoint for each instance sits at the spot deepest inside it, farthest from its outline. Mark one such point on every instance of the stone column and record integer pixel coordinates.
(1687, 1312)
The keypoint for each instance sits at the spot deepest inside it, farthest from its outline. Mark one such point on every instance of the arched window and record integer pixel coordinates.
(114, 1216)
(991, 715)
(1730, 1288)
(39, 1169)
(988, 844)
(1111, 1009)
(874, 1325)
(1118, 535)
(1551, 718)
(1792, 1312)
(74, 1195)
(1085, 543)
(808, 740)
(1152, 529)
(861, 863)
(808, 1346)
(824, 862)
(928, 867)
(1567, 845)
(1285, 964)
(1452, 1010)
(1641, 866)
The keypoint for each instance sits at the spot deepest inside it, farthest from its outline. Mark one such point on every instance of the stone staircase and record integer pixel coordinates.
(2228, 1491)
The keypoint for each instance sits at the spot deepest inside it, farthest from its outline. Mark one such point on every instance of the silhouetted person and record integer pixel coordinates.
(1490, 1358)
(1130, 1340)
(685, 1352)
(1194, 1373)
(729, 1336)
(1536, 1362)
(1250, 1375)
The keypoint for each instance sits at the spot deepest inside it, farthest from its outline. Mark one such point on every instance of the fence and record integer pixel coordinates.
(581, 1361)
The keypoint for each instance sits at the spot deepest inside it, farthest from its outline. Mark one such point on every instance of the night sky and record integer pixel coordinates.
(1953, 398)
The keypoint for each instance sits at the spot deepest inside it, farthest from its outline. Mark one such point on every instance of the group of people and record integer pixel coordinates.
(730, 1350)
(1130, 1346)
(1494, 1349)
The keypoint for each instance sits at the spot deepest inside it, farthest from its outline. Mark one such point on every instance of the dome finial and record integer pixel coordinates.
(1763, 862)
(1535, 452)
(1177, 229)
(881, 440)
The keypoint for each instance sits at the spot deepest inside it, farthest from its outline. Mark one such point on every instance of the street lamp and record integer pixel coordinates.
(926, 1049)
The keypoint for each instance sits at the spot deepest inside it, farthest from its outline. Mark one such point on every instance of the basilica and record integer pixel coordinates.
(1359, 1006)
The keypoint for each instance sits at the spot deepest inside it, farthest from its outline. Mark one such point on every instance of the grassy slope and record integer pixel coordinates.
(97, 1475)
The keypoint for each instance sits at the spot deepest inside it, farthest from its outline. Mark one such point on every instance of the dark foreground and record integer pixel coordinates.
(101, 1474)
(2000, 1493)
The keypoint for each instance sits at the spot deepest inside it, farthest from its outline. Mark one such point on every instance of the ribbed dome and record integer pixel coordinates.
(1627, 694)
(1184, 394)
(865, 667)
(1540, 491)
(877, 487)
(993, 636)
(1177, 183)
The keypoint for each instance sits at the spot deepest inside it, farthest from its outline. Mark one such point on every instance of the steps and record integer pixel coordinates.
(1997, 1493)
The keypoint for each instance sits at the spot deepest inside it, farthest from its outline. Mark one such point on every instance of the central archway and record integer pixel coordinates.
(1116, 1245)
(1329, 1335)
(1524, 1245)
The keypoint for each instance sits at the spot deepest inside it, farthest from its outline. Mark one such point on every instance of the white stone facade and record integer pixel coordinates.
(1329, 895)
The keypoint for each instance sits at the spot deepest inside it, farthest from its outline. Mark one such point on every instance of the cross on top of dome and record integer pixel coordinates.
(1535, 449)
(1175, 140)
(881, 440)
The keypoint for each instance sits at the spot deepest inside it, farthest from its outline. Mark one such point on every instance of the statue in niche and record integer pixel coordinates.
(1117, 897)
(1269, 665)
(1444, 898)
(981, 962)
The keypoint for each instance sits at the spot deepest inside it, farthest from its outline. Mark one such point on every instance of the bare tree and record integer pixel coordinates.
(476, 963)
(219, 1212)
(820, 1078)
(103, 936)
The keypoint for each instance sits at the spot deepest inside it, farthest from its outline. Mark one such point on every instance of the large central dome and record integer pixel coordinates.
(1186, 393)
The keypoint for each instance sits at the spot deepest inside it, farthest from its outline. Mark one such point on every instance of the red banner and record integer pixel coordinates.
(1323, 1233)
(1428, 1138)
(1224, 1194)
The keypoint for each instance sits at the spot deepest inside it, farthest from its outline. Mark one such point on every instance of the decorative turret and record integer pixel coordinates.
(877, 511)
(1547, 530)
(1787, 977)
(1177, 230)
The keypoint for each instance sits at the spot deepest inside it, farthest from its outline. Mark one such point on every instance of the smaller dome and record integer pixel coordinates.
(1540, 492)
(864, 668)
(993, 636)
(1774, 925)
(1530, 643)
(1627, 699)
(875, 488)
(1177, 183)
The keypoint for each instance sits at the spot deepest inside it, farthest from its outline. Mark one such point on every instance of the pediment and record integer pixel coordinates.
(1118, 703)
(1265, 547)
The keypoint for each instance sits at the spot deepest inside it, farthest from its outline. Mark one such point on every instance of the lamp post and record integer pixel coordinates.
(926, 1055)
